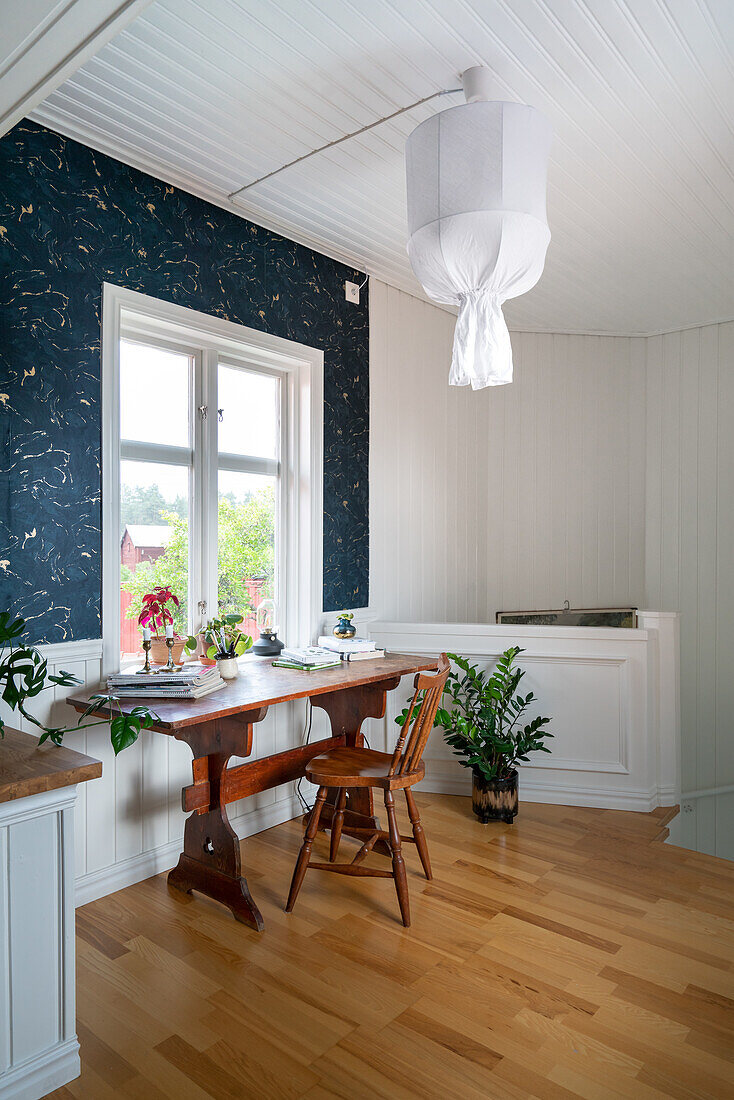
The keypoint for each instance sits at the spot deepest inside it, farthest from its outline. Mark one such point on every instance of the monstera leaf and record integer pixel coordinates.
(24, 674)
(125, 728)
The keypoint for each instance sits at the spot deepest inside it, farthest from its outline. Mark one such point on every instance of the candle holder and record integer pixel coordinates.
(170, 666)
(146, 669)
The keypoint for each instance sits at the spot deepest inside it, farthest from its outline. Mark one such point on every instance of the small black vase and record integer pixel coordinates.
(494, 799)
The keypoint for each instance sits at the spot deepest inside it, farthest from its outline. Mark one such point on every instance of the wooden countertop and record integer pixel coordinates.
(259, 684)
(29, 768)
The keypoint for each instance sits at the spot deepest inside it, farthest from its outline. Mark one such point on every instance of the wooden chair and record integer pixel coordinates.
(359, 767)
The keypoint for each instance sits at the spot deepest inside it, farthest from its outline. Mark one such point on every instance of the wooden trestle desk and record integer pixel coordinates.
(221, 725)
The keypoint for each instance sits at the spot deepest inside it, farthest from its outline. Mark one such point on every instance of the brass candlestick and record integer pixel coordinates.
(146, 667)
(170, 666)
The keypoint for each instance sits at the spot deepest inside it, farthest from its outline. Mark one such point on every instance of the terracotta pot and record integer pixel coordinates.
(208, 662)
(159, 651)
(494, 799)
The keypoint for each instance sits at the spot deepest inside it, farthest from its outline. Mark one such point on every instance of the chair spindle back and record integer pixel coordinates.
(414, 734)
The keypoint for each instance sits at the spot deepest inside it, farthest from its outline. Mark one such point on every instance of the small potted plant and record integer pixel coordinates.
(345, 628)
(483, 726)
(156, 615)
(225, 643)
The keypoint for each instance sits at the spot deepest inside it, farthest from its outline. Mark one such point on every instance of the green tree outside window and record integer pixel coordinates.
(246, 549)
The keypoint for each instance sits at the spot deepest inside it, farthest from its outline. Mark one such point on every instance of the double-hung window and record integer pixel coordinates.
(211, 430)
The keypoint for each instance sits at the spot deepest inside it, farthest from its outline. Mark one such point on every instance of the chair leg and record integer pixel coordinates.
(418, 835)
(337, 822)
(304, 855)
(398, 863)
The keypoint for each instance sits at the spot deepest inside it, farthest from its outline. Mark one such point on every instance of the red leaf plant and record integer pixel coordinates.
(155, 612)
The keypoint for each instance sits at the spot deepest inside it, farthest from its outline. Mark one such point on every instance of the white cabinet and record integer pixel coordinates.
(39, 1051)
(613, 695)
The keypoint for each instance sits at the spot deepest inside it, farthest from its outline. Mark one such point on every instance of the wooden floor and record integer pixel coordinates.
(571, 954)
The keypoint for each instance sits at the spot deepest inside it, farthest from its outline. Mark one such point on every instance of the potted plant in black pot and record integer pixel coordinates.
(483, 725)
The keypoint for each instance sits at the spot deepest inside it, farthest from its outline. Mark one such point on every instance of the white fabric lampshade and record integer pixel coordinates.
(476, 178)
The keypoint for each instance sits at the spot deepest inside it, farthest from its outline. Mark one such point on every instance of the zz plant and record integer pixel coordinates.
(483, 722)
(23, 676)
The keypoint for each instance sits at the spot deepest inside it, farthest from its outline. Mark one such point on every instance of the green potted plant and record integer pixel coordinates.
(157, 615)
(224, 643)
(24, 675)
(483, 725)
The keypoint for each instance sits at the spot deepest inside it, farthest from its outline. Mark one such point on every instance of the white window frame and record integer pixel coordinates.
(301, 368)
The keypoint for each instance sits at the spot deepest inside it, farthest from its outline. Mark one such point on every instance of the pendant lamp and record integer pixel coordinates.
(476, 177)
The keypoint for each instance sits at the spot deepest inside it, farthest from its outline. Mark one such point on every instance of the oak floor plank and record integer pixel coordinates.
(142, 1088)
(453, 1039)
(204, 1072)
(542, 1088)
(505, 1035)
(301, 1030)
(260, 1068)
(603, 1084)
(568, 955)
(663, 1060)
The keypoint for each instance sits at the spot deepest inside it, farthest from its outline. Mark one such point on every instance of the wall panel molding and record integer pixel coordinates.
(603, 693)
(39, 1051)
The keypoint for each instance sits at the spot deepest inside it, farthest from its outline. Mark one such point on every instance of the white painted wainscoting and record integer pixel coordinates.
(39, 1051)
(129, 823)
(613, 696)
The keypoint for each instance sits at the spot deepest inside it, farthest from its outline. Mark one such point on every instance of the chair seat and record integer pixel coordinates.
(359, 768)
(346, 768)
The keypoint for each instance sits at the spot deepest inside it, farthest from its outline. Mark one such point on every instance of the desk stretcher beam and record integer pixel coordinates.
(260, 775)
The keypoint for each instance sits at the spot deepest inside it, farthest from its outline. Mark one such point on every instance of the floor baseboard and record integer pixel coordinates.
(107, 880)
(43, 1074)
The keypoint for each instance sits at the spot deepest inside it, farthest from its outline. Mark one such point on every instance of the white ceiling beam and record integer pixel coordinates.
(45, 41)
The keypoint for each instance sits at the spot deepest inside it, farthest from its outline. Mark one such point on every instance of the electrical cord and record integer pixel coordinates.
(337, 141)
(305, 737)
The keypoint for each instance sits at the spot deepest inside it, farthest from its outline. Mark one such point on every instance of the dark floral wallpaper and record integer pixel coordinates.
(71, 219)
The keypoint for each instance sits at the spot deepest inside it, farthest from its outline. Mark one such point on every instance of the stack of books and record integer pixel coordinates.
(309, 659)
(190, 682)
(351, 649)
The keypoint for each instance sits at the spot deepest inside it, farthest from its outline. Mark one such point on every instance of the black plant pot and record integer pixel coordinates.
(494, 799)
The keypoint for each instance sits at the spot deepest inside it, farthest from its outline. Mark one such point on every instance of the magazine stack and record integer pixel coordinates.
(191, 681)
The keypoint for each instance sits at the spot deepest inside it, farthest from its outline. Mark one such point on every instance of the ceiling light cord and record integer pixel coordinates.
(338, 141)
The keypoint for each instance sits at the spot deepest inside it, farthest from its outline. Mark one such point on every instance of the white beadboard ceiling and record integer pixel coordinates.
(209, 94)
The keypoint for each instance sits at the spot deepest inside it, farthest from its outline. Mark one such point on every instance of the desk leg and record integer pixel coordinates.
(211, 862)
(347, 710)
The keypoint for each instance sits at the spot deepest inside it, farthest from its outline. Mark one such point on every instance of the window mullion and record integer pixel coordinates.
(208, 495)
(196, 588)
